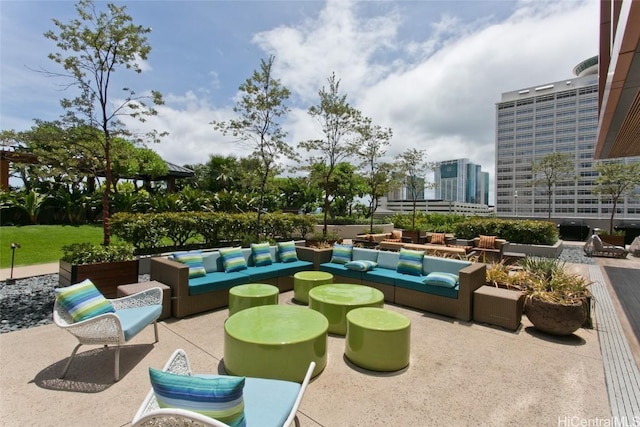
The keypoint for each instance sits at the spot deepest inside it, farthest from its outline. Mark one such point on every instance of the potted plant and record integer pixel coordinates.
(106, 266)
(557, 301)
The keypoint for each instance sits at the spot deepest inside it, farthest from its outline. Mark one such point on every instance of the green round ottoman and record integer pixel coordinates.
(378, 339)
(252, 295)
(275, 341)
(303, 281)
(336, 300)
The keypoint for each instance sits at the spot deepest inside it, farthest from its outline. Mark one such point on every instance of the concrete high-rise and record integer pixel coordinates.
(558, 117)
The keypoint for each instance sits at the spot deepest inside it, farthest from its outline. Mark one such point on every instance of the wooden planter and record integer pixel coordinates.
(106, 276)
(314, 255)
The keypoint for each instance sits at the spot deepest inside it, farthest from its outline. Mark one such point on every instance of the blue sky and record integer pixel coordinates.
(430, 70)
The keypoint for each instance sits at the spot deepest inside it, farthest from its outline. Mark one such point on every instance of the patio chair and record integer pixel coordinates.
(267, 402)
(596, 247)
(132, 314)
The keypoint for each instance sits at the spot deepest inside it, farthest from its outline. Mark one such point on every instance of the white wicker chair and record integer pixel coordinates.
(132, 314)
(149, 414)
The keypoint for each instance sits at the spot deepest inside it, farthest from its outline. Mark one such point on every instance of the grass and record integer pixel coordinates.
(41, 244)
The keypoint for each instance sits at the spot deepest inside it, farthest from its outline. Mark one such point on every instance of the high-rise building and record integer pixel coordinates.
(558, 117)
(461, 181)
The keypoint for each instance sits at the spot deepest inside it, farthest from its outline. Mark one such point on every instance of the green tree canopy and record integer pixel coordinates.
(616, 180)
(549, 171)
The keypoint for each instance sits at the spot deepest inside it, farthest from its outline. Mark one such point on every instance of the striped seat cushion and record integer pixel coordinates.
(83, 301)
(219, 397)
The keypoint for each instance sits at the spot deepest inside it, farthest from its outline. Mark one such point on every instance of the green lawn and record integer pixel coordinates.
(41, 244)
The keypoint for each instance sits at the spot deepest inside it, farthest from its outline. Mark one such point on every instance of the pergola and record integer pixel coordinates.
(7, 157)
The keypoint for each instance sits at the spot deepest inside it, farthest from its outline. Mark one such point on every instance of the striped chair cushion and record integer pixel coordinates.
(83, 301)
(437, 239)
(410, 262)
(487, 242)
(341, 254)
(287, 251)
(219, 397)
(233, 259)
(261, 253)
(193, 260)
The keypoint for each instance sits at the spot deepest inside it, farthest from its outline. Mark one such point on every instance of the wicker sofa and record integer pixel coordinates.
(196, 295)
(411, 291)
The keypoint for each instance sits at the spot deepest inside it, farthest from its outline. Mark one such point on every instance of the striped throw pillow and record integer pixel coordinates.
(233, 259)
(83, 301)
(487, 242)
(261, 253)
(287, 251)
(193, 260)
(361, 265)
(437, 239)
(446, 280)
(410, 262)
(341, 254)
(218, 397)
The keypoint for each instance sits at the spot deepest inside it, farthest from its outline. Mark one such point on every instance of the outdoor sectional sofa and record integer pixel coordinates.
(410, 290)
(211, 291)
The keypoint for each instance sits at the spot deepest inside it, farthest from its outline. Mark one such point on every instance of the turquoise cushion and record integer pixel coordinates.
(261, 254)
(341, 254)
(361, 265)
(287, 251)
(437, 278)
(135, 319)
(410, 262)
(219, 397)
(83, 301)
(233, 259)
(193, 260)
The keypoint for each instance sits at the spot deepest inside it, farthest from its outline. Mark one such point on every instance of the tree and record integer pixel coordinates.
(549, 171)
(339, 123)
(260, 109)
(92, 48)
(373, 141)
(616, 180)
(412, 167)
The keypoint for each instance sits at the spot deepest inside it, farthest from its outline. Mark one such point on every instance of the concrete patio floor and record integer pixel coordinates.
(460, 374)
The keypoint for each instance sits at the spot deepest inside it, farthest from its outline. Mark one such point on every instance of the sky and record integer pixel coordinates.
(432, 71)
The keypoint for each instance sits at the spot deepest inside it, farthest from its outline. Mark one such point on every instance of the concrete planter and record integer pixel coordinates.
(537, 250)
(352, 231)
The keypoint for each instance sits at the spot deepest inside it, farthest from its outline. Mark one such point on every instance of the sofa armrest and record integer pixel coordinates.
(171, 273)
(471, 278)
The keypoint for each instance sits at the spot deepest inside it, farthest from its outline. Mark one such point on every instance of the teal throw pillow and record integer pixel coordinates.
(410, 262)
(83, 301)
(193, 260)
(361, 265)
(341, 254)
(261, 254)
(233, 259)
(287, 251)
(218, 397)
(446, 280)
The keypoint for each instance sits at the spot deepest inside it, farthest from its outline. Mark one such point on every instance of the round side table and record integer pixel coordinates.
(303, 281)
(378, 339)
(336, 300)
(252, 295)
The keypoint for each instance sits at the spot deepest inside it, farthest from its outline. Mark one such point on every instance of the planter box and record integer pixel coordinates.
(537, 250)
(106, 276)
(314, 255)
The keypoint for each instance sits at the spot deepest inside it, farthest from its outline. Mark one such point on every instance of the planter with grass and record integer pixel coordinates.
(106, 266)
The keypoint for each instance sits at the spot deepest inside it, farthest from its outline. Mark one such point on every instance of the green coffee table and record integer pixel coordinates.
(275, 341)
(252, 295)
(303, 281)
(336, 300)
(378, 339)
